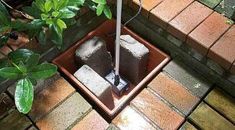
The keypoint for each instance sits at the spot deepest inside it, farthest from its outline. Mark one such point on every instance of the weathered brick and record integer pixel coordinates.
(6, 104)
(129, 119)
(193, 81)
(222, 103)
(210, 3)
(174, 93)
(157, 111)
(93, 121)
(206, 118)
(62, 117)
(187, 126)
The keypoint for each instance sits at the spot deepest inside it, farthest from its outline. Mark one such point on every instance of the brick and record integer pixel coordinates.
(112, 127)
(210, 3)
(62, 117)
(188, 19)
(50, 97)
(174, 93)
(222, 102)
(208, 32)
(137, 56)
(167, 10)
(5, 50)
(206, 118)
(147, 5)
(226, 7)
(93, 121)
(129, 119)
(6, 104)
(187, 126)
(223, 50)
(157, 111)
(15, 121)
(190, 79)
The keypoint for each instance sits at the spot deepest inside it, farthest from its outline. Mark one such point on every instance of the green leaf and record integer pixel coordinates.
(20, 26)
(3, 9)
(10, 73)
(42, 37)
(76, 2)
(56, 35)
(20, 55)
(4, 63)
(40, 4)
(55, 4)
(107, 12)
(48, 6)
(61, 24)
(32, 60)
(66, 13)
(24, 95)
(43, 71)
(32, 10)
(99, 9)
(4, 20)
(62, 4)
(100, 1)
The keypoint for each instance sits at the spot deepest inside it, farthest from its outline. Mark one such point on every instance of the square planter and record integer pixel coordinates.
(156, 61)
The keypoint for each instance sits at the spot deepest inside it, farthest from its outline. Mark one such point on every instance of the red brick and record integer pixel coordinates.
(167, 10)
(5, 50)
(188, 19)
(157, 111)
(93, 121)
(129, 119)
(206, 34)
(147, 5)
(223, 50)
(174, 93)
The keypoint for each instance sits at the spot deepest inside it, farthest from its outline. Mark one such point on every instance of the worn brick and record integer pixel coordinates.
(93, 121)
(188, 19)
(174, 93)
(193, 81)
(6, 104)
(208, 32)
(157, 111)
(5, 50)
(223, 50)
(167, 10)
(50, 97)
(129, 119)
(62, 117)
(210, 3)
(206, 118)
(222, 102)
(187, 126)
(15, 121)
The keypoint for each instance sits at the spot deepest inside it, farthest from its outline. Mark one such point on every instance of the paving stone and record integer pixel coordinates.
(208, 32)
(6, 104)
(50, 97)
(147, 5)
(167, 10)
(187, 126)
(188, 19)
(208, 119)
(129, 119)
(15, 121)
(112, 127)
(222, 102)
(157, 111)
(93, 121)
(223, 50)
(193, 81)
(226, 7)
(210, 3)
(174, 93)
(62, 117)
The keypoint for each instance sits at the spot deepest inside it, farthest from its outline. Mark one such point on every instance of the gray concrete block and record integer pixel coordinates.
(95, 83)
(94, 54)
(133, 60)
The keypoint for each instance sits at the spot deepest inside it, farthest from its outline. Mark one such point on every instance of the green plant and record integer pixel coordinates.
(44, 20)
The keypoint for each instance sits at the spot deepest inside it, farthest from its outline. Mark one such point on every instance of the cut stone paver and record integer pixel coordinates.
(147, 5)
(188, 19)
(206, 118)
(15, 121)
(187, 126)
(223, 50)
(210, 3)
(222, 102)
(226, 7)
(157, 111)
(6, 104)
(193, 81)
(174, 93)
(93, 121)
(62, 117)
(50, 97)
(129, 119)
(167, 10)
(206, 34)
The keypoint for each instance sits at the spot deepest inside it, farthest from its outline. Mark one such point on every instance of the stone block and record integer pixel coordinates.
(94, 54)
(95, 83)
(133, 59)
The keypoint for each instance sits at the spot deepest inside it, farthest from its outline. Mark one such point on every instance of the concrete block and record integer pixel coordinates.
(133, 60)
(94, 54)
(95, 83)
